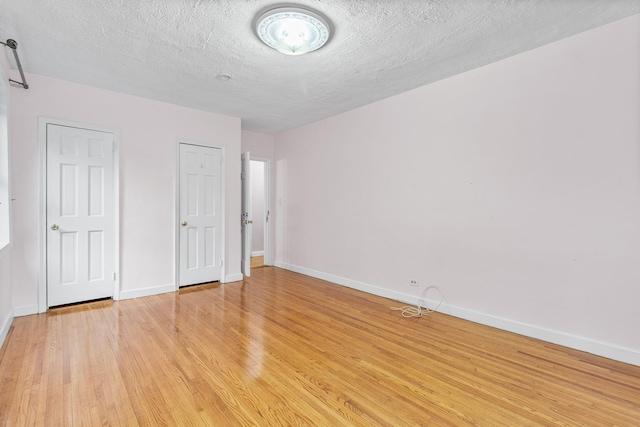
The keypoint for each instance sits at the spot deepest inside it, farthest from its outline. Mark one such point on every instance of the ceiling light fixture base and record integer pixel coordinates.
(293, 30)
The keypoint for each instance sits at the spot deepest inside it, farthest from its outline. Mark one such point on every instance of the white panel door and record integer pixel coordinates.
(246, 220)
(200, 219)
(80, 215)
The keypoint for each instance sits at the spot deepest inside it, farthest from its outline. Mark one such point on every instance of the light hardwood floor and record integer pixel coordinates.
(285, 349)
(257, 261)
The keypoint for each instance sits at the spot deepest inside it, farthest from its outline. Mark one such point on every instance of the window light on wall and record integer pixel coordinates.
(293, 30)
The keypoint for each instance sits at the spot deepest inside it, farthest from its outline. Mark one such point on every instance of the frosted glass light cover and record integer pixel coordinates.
(292, 31)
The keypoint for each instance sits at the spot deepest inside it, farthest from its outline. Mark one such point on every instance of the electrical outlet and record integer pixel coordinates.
(413, 282)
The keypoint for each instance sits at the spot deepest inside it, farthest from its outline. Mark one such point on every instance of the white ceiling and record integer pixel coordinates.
(175, 50)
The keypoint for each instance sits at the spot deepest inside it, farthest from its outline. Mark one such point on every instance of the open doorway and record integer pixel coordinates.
(259, 211)
(255, 251)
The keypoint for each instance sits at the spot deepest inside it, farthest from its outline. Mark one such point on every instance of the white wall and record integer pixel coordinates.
(258, 144)
(514, 187)
(149, 133)
(6, 308)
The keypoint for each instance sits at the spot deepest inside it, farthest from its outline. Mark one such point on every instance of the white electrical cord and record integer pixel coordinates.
(421, 308)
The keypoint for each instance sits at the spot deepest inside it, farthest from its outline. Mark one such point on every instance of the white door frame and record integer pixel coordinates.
(223, 186)
(268, 259)
(42, 228)
(246, 219)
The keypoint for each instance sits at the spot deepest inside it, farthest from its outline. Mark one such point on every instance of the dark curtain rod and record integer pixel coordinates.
(14, 46)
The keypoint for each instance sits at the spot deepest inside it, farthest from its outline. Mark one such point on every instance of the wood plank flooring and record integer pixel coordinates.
(285, 349)
(257, 261)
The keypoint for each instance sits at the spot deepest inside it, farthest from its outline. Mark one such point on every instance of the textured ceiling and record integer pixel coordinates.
(176, 50)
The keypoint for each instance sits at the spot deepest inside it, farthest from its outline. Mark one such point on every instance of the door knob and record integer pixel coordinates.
(250, 221)
(183, 223)
(54, 227)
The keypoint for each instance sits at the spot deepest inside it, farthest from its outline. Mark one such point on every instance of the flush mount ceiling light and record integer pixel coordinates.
(293, 30)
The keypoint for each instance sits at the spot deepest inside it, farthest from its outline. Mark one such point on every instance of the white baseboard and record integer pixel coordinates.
(146, 292)
(257, 253)
(588, 345)
(237, 277)
(25, 310)
(6, 325)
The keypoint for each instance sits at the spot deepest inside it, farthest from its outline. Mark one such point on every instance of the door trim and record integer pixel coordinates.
(268, 255)
(223, 206)
(42, 228)
(246, 214)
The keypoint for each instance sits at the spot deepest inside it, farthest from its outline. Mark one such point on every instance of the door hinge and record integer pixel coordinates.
(114, 276)
(220, 263)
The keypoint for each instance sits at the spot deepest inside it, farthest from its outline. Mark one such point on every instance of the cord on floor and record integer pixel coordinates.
(421, 308)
